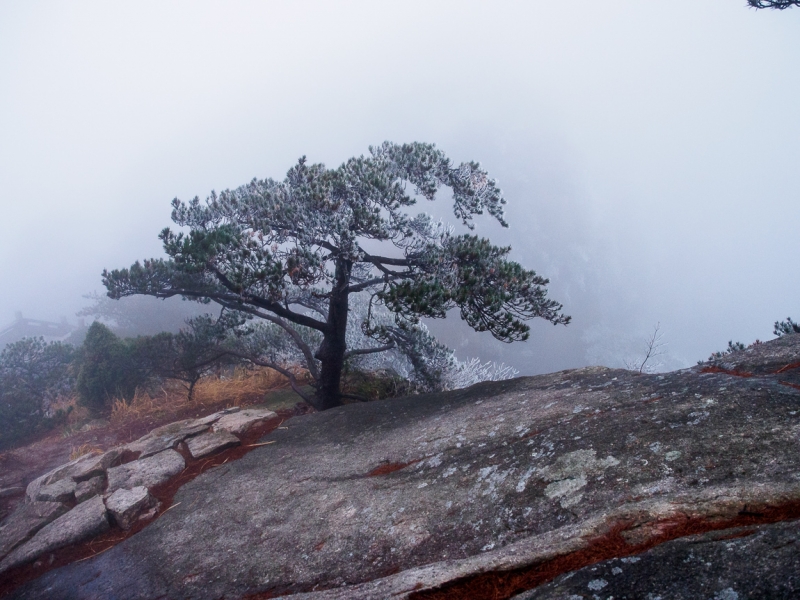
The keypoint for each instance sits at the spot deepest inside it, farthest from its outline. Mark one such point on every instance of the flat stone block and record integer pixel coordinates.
(243, 420)
(82, 522)
(91, 487)
(126, 506)
(148, 472)
(60, 491)
(212, 442)
(166, 437)
(29, 518)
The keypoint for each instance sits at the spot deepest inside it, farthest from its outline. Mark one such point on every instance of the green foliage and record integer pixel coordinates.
(775, 4)
(110, 368)
(787, 327)
(33, 374)
(199, 348)
(732, 347)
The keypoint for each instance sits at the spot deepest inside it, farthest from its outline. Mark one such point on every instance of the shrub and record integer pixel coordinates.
(33, 375)
(787, 327)
(109, 369)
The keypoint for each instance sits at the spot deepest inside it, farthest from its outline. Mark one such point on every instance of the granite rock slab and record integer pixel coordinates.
(146, 472)
(29, 518)
(388, 498)
(210, 443)
(83, 522)
(126, 506)
(166, 437)
(89, 488)
(243, 420)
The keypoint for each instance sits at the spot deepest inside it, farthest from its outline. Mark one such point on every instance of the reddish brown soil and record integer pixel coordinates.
(716, 369)
(500, 585)
(163, 493)
(390, 468)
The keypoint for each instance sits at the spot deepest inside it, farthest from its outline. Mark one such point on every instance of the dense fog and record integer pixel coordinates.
(648, 151)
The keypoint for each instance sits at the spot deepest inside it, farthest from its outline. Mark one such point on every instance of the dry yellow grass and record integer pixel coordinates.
(244, 387)
(83, 450)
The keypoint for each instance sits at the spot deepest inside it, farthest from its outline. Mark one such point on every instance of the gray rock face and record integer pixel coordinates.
(209, 443)
(239, 422)
(80, 469)
(60, 491)
(89, 488)
(148, 472)
(700, 566)
(166, 437)
(27, 520)
(83, 522)
(389, 498)
(125, 506)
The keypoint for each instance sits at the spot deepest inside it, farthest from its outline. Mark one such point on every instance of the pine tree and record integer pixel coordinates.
(291, 253)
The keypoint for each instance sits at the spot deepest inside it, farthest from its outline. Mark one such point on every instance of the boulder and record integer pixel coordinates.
(62, 490)
(27, 519)
(243, 420)
(89, 488)
(166, 437)
(126, 506)
(81, 523)
(80, 469)
(209, 443)
(393, 498)
(148, 472)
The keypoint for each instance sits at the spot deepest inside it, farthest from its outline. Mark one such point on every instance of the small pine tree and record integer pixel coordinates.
(787, 327)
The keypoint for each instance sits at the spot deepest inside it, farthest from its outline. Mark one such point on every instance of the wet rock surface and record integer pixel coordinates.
(398, 498)
(148, 472)
(241, 421)
(732, 564)
(26, 521)
(126, 506)
(85, 521)
(209, 443)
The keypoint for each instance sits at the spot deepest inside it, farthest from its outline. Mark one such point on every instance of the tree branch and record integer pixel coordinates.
(360, 351)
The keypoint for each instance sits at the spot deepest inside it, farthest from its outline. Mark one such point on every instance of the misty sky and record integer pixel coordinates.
(648, 151)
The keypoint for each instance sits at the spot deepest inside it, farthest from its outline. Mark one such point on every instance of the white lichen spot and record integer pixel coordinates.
(568, 475)
(448, 472)
(655, 447)
(597, 584)
(616, 571)
(672, 455)
(523, 481)
(567, 490)
(630, 559)
(488, 546)
(727, 594)
(422, 485)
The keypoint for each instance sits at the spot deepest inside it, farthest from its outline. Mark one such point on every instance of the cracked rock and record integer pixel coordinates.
(243, 420)
(209, 443)
(126, 506)
(29, 518)
(148, 472)
(166, 437)
(91, 487)
(82, 522)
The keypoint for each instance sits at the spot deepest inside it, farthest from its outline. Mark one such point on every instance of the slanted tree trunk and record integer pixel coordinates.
(334, 342)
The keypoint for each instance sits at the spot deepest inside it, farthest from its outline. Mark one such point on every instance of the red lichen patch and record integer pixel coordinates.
(390, 468)
(794, 365)
(500, 585)
(794, 385)
(716, 369)
(164, 493)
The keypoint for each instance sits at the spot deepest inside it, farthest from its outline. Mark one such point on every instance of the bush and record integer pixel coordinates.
(33, 375)
(787, 327)
(109, 369)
